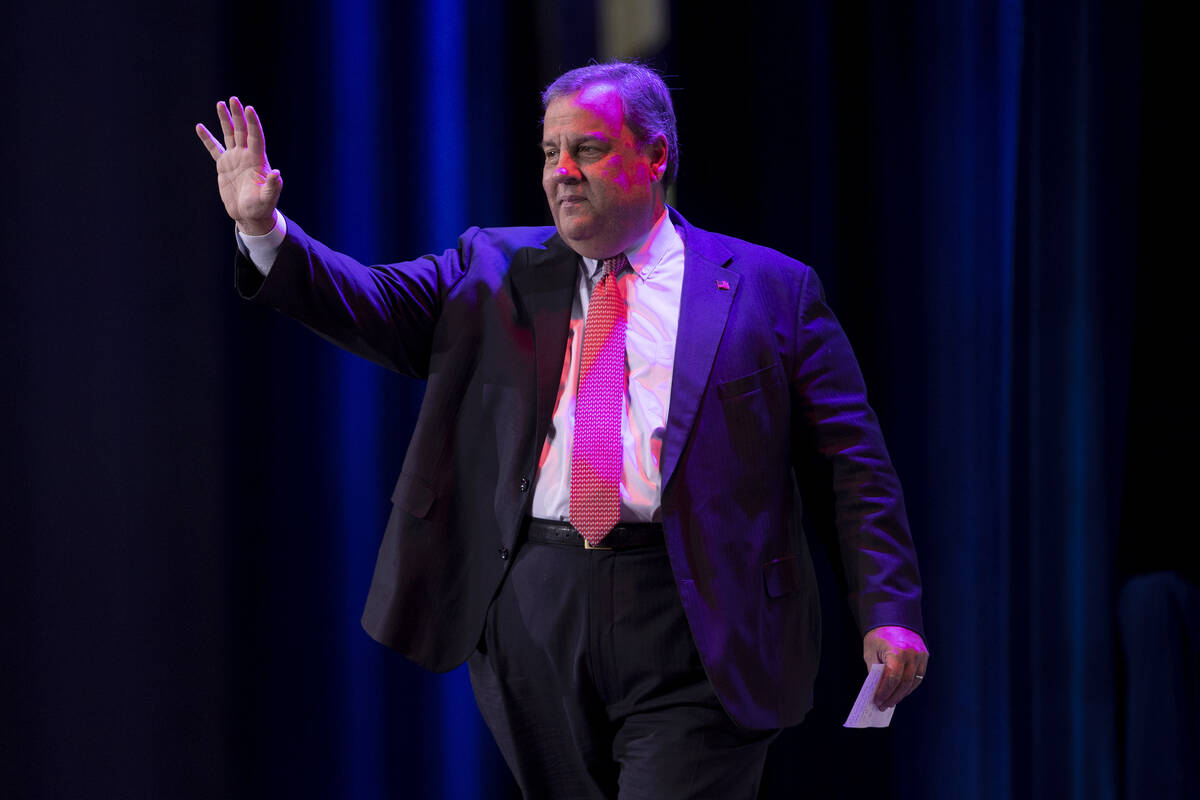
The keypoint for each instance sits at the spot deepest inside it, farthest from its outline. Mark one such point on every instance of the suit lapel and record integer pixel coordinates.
(543, 285)
(709, 287)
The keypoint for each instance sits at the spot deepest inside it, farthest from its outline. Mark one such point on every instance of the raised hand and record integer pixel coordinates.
(249, 187)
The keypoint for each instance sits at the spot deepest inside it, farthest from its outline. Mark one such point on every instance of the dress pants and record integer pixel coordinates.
(588, 677)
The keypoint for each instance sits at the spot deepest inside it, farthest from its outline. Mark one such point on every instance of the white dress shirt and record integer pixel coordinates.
(261, 250)
(651, 286)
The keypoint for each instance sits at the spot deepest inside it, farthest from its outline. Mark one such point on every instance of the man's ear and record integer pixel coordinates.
(658, 150)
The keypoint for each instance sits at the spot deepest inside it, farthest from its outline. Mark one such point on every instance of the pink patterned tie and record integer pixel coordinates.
(596, 452)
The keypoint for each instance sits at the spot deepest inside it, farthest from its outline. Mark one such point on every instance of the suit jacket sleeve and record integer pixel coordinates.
(839, 441)
(385, 313)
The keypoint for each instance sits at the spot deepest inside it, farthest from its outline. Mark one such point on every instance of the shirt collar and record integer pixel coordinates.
(647, 253)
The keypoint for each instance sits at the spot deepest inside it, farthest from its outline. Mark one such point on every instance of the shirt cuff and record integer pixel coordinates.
(261, 250)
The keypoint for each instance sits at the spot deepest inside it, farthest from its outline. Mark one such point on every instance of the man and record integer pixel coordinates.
(599, 509)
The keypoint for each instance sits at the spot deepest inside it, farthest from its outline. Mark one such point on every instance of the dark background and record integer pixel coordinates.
(194, 487)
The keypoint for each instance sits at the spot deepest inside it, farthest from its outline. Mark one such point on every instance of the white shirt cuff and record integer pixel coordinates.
(261, 250)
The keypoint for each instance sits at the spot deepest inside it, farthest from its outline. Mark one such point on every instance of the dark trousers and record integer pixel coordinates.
(589, 679)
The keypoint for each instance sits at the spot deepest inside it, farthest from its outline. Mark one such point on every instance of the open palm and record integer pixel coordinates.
(249, 187)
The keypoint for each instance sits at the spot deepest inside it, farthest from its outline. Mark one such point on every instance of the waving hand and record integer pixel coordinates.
(249, 187)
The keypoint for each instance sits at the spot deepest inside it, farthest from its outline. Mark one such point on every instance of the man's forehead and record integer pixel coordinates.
(599, 100)
(601, 97)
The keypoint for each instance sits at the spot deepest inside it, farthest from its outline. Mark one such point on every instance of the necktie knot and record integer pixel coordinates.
(612, 266)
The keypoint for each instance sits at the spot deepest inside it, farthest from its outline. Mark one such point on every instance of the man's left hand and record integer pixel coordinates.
(905, 659)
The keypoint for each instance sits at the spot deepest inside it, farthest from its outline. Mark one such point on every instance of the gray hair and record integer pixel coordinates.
(645, 100)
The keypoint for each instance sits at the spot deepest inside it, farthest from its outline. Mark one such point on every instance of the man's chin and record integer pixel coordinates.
(588, 248)
(573, 230)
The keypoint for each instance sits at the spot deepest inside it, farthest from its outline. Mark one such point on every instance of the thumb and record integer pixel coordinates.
(875, 651)
(272, 186)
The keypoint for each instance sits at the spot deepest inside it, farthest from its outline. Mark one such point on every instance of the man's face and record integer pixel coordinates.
(602, 188)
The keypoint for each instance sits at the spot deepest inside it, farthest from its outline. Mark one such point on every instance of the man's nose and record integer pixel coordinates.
(567, 170)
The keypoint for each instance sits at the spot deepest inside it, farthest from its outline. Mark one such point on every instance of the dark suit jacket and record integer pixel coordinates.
(763, 379)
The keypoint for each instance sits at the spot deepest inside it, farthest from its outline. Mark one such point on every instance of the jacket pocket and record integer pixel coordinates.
(413, 496)
(748, 384)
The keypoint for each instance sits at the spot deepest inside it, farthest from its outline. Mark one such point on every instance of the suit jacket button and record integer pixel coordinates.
(503, 553)
(524, 485)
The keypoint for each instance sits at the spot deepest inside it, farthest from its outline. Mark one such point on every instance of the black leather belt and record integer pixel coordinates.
(623, 537)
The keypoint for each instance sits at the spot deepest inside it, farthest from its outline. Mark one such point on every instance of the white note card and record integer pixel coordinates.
(865, 713)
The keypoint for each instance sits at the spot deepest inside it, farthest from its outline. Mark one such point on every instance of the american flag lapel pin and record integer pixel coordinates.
(723, 286)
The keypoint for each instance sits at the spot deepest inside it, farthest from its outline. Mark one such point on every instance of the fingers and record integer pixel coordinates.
(240, 127)
(899, 679)
(255, 140)
(239, 121)
(893, 674)
(226, 124)
(214, 147)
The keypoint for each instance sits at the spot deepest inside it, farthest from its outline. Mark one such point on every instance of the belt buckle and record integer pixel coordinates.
(589, 546)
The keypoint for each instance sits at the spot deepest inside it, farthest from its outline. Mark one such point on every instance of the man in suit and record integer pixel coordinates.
(599, 509)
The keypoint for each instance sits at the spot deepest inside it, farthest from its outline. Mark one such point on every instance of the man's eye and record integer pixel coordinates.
(551, 155)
